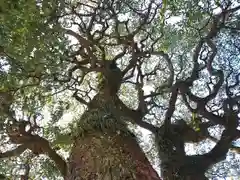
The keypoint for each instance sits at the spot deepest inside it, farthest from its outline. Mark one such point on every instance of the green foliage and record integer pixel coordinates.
(194, 123)
(100, 79)
(47, 169)
(34, 52)
(100, 120)
(63, 139)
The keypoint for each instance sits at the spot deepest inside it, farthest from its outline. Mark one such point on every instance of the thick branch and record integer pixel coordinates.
(59, 161)
(171, 107)
(135, 116)
(218, 153)
(86, 44)
(38, 145)
(15, 152)
(220, 150)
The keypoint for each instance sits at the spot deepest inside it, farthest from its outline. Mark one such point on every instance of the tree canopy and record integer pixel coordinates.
(174, 66)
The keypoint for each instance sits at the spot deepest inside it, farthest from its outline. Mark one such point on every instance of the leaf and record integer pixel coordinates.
(194, 115)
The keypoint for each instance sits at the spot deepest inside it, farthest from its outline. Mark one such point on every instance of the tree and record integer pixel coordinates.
(128, 64)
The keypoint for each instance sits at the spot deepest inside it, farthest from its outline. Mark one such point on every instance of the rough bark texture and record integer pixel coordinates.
(105, 149)
(110, 157)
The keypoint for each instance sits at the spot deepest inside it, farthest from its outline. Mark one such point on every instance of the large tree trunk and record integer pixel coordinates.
(105, 149)
(108, 156)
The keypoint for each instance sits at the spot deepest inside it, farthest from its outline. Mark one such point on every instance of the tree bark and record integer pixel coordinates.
(105, 149)
(178, 166)
(182, 170)
(109, 156)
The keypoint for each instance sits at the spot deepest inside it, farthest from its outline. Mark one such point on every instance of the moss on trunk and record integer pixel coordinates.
(105, 149)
